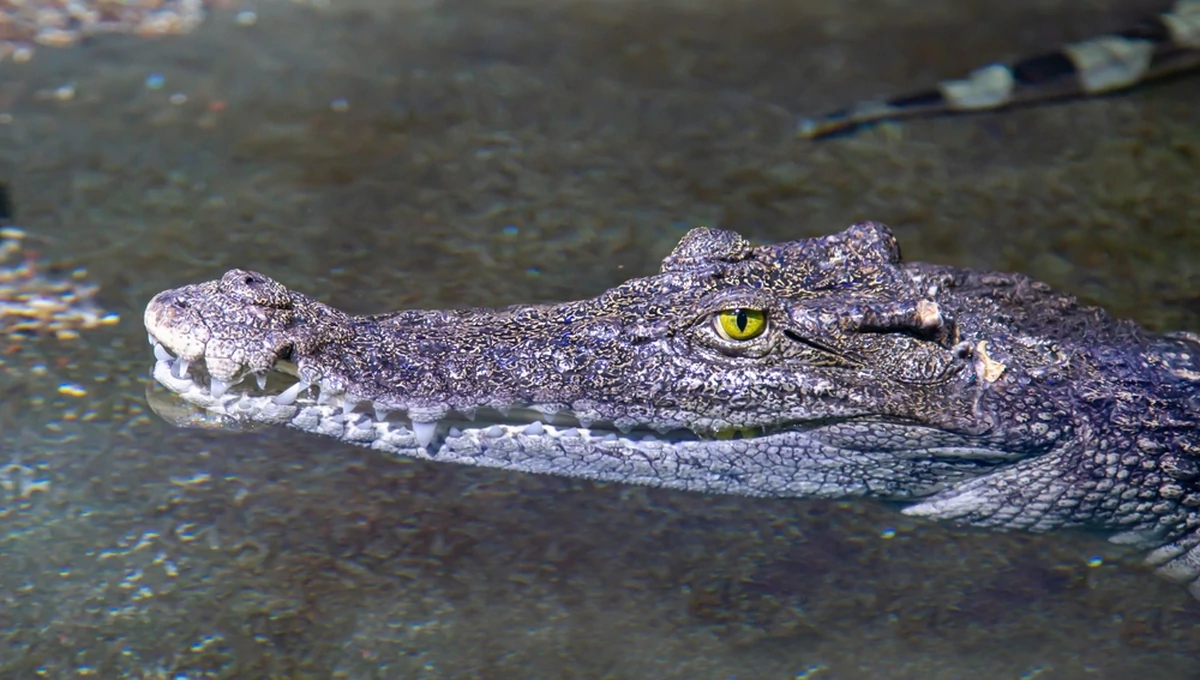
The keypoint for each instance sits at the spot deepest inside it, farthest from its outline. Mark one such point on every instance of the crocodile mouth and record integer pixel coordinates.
(278, 394)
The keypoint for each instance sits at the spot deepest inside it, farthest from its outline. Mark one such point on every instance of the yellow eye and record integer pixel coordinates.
(741, 323)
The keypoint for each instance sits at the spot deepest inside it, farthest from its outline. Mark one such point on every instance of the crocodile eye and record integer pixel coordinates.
(740, 324)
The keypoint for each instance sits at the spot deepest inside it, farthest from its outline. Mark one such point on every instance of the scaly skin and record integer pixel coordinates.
(983, 397)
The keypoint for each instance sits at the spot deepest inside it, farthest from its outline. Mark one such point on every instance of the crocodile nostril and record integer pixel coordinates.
(179, 303)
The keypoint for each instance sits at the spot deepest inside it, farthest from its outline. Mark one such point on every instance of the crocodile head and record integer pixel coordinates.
(820, 367)
(806, 349)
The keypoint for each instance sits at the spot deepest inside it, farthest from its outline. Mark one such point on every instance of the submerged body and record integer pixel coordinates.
(822, 367)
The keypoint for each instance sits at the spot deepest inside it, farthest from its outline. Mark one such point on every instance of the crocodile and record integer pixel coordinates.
(823, 367)
(1158, 47)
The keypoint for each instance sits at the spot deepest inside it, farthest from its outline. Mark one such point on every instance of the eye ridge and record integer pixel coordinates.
(740, 323)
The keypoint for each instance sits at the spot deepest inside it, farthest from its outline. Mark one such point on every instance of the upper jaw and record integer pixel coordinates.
(199, 350)
(279, 391)
(288, 384)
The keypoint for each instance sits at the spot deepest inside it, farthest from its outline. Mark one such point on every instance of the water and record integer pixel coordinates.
(474, 153)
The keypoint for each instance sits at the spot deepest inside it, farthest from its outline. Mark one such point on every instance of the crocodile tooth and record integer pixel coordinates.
(288, 396)
(179, 370)
(569, 432)
(153, 340)
(161, 353)
(348, 404)
(610, 437)
(494, 432)
(468, 413)
(261, 379)
(534, 429)
(424, 432)
(455, 432)
(381, 413)
(323, 396)
(217, 387)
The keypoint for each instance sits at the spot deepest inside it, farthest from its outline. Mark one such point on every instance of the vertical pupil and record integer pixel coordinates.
(741, 319)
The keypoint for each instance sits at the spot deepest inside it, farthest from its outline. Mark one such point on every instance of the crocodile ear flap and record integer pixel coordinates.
(920, 318)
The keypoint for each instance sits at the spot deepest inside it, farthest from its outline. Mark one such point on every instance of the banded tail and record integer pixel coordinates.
(1164, 45)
